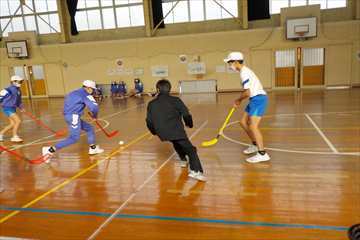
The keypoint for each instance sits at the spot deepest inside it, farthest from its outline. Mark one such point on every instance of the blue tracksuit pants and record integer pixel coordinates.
(75, 125)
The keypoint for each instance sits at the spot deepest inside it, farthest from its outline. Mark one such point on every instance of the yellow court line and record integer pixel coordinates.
(67, 181)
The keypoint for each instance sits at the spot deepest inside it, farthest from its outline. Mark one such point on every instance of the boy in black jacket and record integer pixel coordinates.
(164, 119)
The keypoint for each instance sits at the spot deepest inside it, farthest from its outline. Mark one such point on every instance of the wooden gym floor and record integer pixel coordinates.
(309, 190)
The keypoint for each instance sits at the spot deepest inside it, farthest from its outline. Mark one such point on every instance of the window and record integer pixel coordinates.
(276, 5)
(109, 14)
(35, 15)
(321, 2)
(198, 10)
(336, 3)
(296, 3)
(108, 18)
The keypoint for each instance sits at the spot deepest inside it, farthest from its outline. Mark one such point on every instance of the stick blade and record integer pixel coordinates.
(40, 159)
(113, 134)
(209, 143)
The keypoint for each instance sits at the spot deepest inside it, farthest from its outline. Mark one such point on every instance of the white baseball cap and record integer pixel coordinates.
(234, 56)
(16, 78)
(90, 84)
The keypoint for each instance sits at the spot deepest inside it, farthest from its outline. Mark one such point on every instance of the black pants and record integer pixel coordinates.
(183, 147)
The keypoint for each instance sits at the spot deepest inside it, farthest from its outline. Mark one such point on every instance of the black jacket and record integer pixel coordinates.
(164, 117)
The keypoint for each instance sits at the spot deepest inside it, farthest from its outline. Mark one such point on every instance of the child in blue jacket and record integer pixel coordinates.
(74, 105)
(122, 89)
(139, 87)
(10, 99)
(114, 89)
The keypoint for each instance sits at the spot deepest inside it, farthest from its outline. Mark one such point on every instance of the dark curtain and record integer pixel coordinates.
(72, 5)
(157, 13)
(258, 9)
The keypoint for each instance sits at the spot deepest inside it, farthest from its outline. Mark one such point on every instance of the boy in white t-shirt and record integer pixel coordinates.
(255, 109)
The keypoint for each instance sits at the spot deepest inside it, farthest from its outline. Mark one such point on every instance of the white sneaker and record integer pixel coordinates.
(251, 149)
(16, 139)
(47, 154)
(197, 175)
(258, 158)
(96, 150)
(1, 138)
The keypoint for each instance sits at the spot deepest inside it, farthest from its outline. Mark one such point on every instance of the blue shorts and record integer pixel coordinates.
(257, 105)
(8, 111)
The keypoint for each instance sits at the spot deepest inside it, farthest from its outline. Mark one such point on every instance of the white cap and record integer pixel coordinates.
(90, 84)
(16, 78)
(234, 56)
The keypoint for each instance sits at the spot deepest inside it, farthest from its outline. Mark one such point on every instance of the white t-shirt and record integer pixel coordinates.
(250, 81)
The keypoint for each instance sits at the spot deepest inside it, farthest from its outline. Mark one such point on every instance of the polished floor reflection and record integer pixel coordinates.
(309, 190)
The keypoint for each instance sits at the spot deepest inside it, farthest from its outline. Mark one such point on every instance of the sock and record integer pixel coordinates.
(93, 146)
(254, 143)
(262, 152)
(52, 149)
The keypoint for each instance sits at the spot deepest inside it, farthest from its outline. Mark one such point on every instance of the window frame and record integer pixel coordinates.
(307, 4)
(205, 18)
(32, 14)
(113, 7)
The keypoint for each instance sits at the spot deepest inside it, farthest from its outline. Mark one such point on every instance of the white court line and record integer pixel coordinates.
(30, 120)
(326, 113)
(122, 206)
(302, 113)
(331, 146)
(286, 150)
(13, 238)
(126, 110)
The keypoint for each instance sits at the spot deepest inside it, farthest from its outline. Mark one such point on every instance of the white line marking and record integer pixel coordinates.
(122, 206)
(325, 113)
(331, 146)
(126, 110)
(286, 150)
(13, 238)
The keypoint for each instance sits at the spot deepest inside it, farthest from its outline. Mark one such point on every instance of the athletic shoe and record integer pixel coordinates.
(258, 158)
(16, 139)
(47, 154)
(96, 150)
(1, 138)
(251, 149)
(197, 175)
